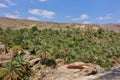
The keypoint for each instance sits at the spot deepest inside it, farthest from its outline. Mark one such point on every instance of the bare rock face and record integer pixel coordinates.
(59, 62)
(113, 74)
(74, 71)
(34, 61)
(3, 56)
(2, 48)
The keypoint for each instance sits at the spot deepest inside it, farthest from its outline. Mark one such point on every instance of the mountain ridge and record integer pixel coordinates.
(24, 23)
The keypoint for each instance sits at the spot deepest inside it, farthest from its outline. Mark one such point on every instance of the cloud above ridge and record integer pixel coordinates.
(42, 13)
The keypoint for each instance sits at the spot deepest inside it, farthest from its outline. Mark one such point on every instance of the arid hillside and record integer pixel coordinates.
(22, 23)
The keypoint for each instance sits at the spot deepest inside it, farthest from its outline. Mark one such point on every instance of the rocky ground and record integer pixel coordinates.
(111, 75)
(91, 72)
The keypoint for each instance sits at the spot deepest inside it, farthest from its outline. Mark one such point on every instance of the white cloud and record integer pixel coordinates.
(43, 0)
(10, 2)
(82, 17)
(15, 15)
(108, 16)
(3, 5)
(33, 18)
(42, 13)
(86, 22)
(10, 15)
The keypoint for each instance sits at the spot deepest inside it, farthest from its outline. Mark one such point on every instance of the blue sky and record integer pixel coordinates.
(78, 11)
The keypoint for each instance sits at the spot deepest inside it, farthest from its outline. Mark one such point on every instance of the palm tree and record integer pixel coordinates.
(17, 69)
(10, 71)
(26, 72)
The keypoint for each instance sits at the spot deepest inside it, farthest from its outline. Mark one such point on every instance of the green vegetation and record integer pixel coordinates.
(100, 47)
(16, 69)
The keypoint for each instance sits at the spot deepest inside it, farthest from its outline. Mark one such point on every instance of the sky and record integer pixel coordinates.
(75, 11)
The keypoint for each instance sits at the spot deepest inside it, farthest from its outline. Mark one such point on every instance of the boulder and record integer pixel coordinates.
(59, 62)
(99, 69)
(34, 61)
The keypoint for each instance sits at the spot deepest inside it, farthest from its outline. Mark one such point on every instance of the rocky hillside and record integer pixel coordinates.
(74, 54)
(22, 23)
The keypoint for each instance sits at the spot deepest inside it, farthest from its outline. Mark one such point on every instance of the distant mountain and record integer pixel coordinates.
(23, 23)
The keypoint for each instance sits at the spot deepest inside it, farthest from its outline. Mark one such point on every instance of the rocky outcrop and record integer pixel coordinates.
(34, 61)
(59, 62)
(74, 71)
(113, 74)
(2, 48)
(3, 56)
(83, 71)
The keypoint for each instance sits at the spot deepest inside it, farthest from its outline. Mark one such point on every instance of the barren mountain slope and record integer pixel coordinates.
(22, 23)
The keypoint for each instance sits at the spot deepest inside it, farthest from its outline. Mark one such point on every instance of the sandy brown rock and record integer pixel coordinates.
(34, 61)
(73, 73)
(113, 74)
(2, 48)
(59, 62)
(5, 58)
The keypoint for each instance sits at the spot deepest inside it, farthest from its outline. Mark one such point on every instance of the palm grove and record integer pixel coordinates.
(99, 47)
